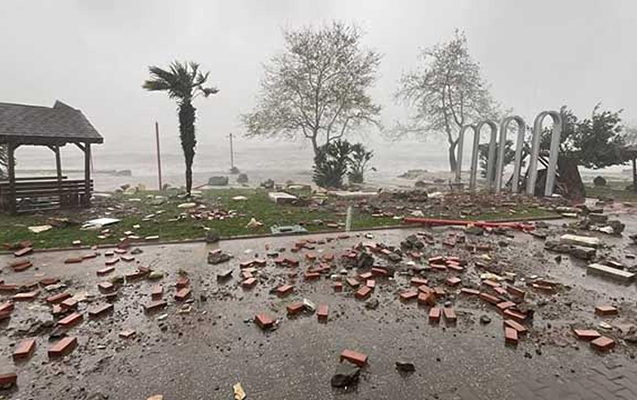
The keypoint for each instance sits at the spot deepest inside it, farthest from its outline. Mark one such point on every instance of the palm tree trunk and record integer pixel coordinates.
(188, 141)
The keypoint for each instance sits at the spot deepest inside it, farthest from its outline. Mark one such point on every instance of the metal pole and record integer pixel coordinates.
(158, 155)
(231, 154)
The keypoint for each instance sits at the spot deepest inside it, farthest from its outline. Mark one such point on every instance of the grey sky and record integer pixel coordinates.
(94, 54)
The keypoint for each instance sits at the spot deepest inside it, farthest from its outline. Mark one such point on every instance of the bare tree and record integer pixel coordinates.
(445, 92)
(317, 87)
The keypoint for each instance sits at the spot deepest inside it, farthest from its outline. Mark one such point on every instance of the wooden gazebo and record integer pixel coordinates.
(53, 127)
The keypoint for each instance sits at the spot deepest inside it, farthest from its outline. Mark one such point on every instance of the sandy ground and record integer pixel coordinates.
(201, 354)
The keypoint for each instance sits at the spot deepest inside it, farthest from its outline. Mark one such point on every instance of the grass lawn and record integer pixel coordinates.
(168, 227)
(614, 190)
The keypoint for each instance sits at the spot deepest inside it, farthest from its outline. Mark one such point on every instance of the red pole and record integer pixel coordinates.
(158, 155)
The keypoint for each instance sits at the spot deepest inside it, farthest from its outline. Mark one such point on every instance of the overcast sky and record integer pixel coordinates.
(94, 54)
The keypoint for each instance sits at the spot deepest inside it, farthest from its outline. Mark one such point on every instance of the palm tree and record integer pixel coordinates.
(183, 82)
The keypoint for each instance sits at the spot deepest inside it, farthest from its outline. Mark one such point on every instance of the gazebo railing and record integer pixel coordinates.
(43, 193)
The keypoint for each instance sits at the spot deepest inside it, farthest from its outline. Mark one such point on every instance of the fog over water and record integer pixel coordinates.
(94, 55)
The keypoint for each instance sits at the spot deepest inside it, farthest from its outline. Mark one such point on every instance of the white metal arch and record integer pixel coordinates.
(518, 152)
(460, 149)
(535, 152)
(490, 159)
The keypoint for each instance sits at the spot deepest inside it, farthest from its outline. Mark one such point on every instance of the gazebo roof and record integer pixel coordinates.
(36, 125)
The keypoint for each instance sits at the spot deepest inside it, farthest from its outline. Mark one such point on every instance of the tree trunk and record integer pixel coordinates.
(571, 179)
(453, 163)
(314, 145)
(188, 140)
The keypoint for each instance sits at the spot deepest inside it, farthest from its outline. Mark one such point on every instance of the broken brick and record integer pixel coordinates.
(127, 258)
(105, 271)
(504, 305)
(450, 315)
(69, 303)
(263, 321)
(323, 311)
(7, 306)
(470, 291)
(408, 295)
(295, 308)
(490, 283)
(436, 260)
(354, 357)
(284, 290)
(26, 296)
(353, 282)
(9, 288)
(111, 261)
(71, 320)
(439, 267)
(427, 299)
(453, 281)
(48, 281)
(516, 315)
(378, 271)
(105, 286)
(249, 283)
(515, 291)
(182, 294)
(510, 336)
(58, 298)
(8, 379)
(363, 292)
(127, 334)
(370, 283)
(21, 265)
(434, 315)
(521, 329)
(500, 291)
(606, 310)
(74, 260)
(155, 305)
(100, 310)
(338, 287)
(89, 256)
(182, 282)
(455, 267)
(312, 276)
(157, 292)
(63, 347)
(23, 252)
(586, 334)
(425, 289)
(365, 276)
(24, 349)
(489, 298)
(418, 281)
(603, 343)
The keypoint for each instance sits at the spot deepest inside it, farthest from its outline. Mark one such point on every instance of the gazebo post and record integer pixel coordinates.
(58, 168)
(634, 175)
(87, 173)
(11, 171)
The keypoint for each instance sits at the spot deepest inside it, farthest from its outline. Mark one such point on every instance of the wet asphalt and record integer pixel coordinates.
(202, 353)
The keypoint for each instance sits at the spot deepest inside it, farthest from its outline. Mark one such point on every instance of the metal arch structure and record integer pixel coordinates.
(491, 156)
(460, 149)
(535, 152)
(504, 125)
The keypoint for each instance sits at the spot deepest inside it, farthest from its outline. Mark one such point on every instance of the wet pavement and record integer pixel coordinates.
(200, 354)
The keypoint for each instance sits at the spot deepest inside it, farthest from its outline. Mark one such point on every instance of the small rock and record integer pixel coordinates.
(346, 374)
(404, 366)
(485, 319)
(372, 304)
